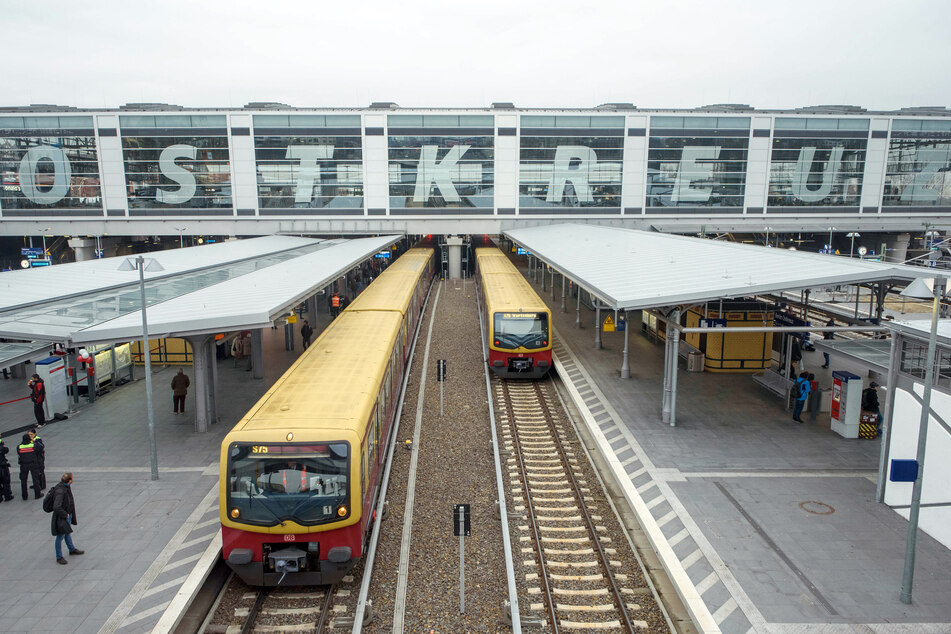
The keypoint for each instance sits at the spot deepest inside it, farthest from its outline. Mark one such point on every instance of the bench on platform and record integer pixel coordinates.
(774, 382)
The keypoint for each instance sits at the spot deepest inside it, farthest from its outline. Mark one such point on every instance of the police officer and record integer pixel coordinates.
(5, 493)
(39, 448)
(26, 456)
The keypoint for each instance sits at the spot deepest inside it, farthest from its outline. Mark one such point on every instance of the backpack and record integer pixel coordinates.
(802, 387)
(48, 500)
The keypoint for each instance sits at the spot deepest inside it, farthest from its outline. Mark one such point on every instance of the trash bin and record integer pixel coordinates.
(695, 361)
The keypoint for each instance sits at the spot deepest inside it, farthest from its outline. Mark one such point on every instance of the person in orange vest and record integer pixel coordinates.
(29, 466)
(335, 305)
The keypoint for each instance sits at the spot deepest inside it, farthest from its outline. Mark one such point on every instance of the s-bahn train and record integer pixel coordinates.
(300, 472)
(518, 323)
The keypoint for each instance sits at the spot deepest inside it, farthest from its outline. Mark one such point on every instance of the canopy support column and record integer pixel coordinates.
(880, 304)
(668, 342)
(894, 360)
(213, 379)
(257, 354)
(597, 324)
(564, 306)
(288, 336)
(203, 382)
(625, 365)
(553, 283)
(674, 356)
(544, 286)
(312, 309)
(578, 310)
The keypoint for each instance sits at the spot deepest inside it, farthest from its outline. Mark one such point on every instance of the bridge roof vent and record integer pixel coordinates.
(266, 105)
(151, 105)
(616, 105)
(503, 105)
(384, 105)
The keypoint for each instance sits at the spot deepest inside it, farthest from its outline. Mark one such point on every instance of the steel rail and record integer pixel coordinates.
(248, 626)
(589, 524)
(325, 609)
(499, 481)
(530, 508)
(375, 534)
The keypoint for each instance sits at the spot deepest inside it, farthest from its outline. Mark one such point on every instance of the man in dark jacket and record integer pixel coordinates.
(306, 332)
(40, 450)
(38, 396)
(26, 456)
(6, 494)
(870, 403)
(180, 383)
(64, 517)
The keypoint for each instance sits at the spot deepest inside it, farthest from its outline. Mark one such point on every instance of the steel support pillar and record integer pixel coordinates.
(880, 303)
(564, 306)
(544, 279)
(625, 364)
(203, 382)
(597, 324)
(674, 357)
(257, 354)
(668, 343)
(553, 283)
(312, 309)
(578, 310)
(213, 381)
(894, 360)
(288, 336)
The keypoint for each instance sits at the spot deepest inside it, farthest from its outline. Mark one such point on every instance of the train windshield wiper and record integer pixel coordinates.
(263, 504)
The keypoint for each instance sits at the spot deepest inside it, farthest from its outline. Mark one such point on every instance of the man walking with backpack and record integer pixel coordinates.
(801, 390)
(59, 502)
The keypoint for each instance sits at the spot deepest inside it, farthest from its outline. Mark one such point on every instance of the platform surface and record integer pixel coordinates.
(775, 523)
(141, 537)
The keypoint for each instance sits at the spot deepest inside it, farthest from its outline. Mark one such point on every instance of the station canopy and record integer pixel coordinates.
(629, 270)
(226, 286)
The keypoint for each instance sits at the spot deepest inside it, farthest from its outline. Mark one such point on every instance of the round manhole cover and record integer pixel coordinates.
(816, 508)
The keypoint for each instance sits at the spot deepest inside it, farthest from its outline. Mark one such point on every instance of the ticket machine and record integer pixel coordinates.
(846, 403)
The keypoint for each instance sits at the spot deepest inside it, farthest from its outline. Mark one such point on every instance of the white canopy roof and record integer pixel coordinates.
(58, 303)
(629, 269)
(250, 301)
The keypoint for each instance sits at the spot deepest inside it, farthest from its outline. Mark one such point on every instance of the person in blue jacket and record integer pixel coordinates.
(801, 389)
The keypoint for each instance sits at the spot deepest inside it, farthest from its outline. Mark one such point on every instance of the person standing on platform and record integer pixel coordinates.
(334, 306)
(828, 336)
(306, 332)
(39, 448)
(180, 383)
(64, 518)
(38, 396)
(237, 348)
(795, 356)
(246, 348)
(6, 493)
(801, 390)
(26, 456)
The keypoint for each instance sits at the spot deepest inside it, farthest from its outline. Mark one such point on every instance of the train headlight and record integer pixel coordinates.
(342, 510)
(235, 513)
(290, 436)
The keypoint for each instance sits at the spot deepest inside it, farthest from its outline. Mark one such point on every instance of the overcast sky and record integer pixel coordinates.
(767, 53)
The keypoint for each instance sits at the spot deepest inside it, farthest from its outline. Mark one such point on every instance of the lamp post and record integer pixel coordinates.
(142, 265)
(181, 238)
(908, 576)
(831, 229)
(853, 235)
(43, 231)
(767, 235)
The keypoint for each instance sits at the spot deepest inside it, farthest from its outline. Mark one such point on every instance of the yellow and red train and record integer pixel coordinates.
(300, 472)
(518, 323)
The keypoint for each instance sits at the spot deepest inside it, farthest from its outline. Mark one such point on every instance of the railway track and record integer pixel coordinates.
(577, 581)
(305, 609)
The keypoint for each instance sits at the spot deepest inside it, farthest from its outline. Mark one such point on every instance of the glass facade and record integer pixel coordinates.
(570, 161)
(49, 163)
(176, 161)
(441, 161)
(919, 161)
(817, 162)
(697, 161)
(309, 161)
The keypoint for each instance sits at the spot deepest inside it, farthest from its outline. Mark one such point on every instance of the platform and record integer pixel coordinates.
(774, 523)
(142, 538)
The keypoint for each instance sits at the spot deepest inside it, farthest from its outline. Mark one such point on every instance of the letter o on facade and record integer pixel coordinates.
(62, 174)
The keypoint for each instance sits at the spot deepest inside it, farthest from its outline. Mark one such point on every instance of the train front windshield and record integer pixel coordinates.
(307, 484)
(521, 330)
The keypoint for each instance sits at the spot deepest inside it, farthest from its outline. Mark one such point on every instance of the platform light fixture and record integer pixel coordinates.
(920, 290)
(181, 236)
(142, 265)
(853, 235)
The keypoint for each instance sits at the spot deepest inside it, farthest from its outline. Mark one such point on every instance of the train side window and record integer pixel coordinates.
(363, 480)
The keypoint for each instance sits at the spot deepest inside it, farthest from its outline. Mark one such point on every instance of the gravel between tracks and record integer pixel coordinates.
(455, 465)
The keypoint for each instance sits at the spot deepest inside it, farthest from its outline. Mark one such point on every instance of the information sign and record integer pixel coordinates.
(382, 255)
(31, 253)
(608, 324)
(713, 323)
(521, 251)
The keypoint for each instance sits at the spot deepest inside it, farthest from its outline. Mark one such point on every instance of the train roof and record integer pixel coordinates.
(395, 294)
(413, 260)
(334, 383)
(504, 288)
